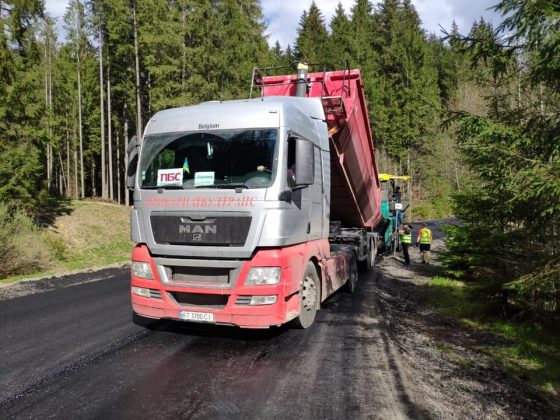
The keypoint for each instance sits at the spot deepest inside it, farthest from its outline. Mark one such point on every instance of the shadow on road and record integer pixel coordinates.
(221, 331)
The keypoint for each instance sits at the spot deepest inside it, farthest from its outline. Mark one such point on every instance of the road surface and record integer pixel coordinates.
(69, 350)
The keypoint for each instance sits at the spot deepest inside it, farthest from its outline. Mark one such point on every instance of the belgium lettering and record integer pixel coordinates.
(200, 202)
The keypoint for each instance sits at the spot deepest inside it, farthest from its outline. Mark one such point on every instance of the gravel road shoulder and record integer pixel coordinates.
(454, 380)
(39, 285)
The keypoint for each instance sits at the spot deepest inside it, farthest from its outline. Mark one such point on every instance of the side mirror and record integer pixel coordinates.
(305, 163)
(132, 162)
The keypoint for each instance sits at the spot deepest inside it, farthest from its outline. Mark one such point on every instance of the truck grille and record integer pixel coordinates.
(200, 230)
(155, 294)
(203, 275)
(200, 300)
(243, 300)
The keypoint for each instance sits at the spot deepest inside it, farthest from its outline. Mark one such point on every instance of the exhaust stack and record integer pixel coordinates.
(301, 83)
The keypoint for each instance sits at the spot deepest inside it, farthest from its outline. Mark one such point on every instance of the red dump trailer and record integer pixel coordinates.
(252, 212)
(355, 184)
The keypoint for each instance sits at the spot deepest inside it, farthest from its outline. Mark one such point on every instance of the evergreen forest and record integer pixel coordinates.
(473, 117)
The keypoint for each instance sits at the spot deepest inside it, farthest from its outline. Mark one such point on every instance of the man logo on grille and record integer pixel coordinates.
(198, 229)
(197, 237)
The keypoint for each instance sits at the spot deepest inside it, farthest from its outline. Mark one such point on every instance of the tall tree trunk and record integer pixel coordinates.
(63, 181)
(50, 104)
(51, 149)
(409, 173)
(47, 106)
(78, 53)
(125, 136)
(184, 54)
(68, 161)
(118, 147)
(76, 189)
(93, 183)
(137, 63)
(101, 106)
(149, 93)
(109, 132)
(82, 192)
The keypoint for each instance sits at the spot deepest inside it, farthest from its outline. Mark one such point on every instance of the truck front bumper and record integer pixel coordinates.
(229, 303)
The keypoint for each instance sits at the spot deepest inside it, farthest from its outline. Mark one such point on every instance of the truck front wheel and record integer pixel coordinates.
(309, 297)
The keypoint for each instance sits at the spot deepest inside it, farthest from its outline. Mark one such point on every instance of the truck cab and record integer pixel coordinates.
(231, 217)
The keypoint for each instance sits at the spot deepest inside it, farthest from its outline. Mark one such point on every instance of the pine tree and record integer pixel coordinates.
(98, 18)
(407, 89)
(340, 41)
(511, 212)
(22, 108)
(312, 37)
(238, 20)
(75, 26)
(363, 29)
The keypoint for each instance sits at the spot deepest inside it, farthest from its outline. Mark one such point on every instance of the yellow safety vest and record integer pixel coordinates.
(406, 238)
(425, 236)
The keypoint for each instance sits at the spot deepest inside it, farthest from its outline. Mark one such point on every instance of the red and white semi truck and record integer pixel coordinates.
(252, 212)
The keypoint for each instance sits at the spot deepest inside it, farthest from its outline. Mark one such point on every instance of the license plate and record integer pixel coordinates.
(196, 316)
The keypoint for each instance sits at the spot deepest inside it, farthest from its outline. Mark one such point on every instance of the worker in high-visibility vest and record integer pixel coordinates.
(424, 239)
(405, 235)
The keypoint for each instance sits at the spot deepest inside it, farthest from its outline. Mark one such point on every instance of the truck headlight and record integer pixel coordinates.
(263, 300)
(142, 270)
(263, 276)
(141, 291)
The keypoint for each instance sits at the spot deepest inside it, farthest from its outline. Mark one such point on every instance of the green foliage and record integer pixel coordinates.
(436, 209)
(526, 349)
(540, 291)
(510, 217)
(190, 51)
(23, 248)
(509, 239)
(312, 37)
(21, 110)
(535, 24)
(406, 98)
(341, 39)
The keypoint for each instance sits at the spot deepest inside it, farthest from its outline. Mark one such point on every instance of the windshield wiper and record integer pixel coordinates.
(163, 187)
(225, 186)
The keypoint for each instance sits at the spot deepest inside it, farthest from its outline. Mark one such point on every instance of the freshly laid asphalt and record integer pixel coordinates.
(73, 352)
(68, 350)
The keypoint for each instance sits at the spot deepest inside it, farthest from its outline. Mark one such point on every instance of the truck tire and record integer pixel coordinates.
(350, 285)
(310, 295)
(367, 264)
(145, 322)
(373, 252)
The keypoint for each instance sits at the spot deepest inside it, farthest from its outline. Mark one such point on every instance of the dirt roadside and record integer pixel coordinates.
(451, 379)
(44, 284)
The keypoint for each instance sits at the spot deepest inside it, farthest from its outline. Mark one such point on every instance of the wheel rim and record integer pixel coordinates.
(309, 294)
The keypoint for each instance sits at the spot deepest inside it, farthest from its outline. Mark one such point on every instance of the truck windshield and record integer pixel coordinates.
(212, 159)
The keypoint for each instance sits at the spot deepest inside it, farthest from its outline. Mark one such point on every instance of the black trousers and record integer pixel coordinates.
(405, 253)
